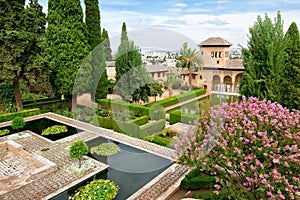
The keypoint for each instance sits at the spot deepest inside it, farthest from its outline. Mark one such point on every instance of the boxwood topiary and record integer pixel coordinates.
(18, 123)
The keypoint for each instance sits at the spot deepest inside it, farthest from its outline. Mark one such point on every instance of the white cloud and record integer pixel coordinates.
(180, 5)
(232, 27)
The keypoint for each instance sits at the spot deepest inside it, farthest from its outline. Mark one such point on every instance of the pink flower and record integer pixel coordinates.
(217, 186)
(229, 164)
(264, 181)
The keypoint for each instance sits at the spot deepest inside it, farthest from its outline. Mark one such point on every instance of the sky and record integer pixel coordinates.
(193, 20)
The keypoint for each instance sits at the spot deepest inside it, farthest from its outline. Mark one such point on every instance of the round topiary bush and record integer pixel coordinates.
(254, 145)
(18, 123)
(77, 150)
(95, 190)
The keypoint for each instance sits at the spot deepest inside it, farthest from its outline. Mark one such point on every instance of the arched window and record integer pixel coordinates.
(220, 54)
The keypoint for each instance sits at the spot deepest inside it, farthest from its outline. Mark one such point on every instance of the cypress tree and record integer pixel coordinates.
(264, 60)
(132, 78)
(66, 47)
(99, 82)
(21, 34)
(106, 44)
(291, 82)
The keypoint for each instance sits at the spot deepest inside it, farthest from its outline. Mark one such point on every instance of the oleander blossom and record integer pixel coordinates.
(257, 140)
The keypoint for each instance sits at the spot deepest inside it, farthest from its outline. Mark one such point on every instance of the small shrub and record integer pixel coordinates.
(77, 150)
(106, 149)
(4, 132)
(185, 87)
(157, 140)
(56, 129)
(18, 123)
(97, 189)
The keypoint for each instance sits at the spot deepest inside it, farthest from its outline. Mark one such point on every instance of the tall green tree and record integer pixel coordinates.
(291, 81)
(132, 78)
(106, 45)
(21, 38)
(99, 82)
(66, 47)
(264, 60)
(190, 59)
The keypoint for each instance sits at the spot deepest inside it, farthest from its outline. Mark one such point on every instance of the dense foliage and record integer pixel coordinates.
(18, 123)
(133, 81)
(291, 82)
(97, 189)
(78, 149)
(254, 145)
(106, 44)
(66, 47)
(99, 81)
(56, 129)
(264, 60)
(21, 44)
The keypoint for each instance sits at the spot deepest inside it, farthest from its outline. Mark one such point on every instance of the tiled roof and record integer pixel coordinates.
(234, 63)
(156, 68)
(215, 41)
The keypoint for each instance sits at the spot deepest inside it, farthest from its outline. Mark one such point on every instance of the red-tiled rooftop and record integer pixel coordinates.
(215, 41)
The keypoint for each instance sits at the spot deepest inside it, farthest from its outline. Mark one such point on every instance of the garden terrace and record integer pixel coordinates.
(49, 185)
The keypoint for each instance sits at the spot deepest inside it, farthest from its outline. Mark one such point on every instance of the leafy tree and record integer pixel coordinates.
(66, 46)
(264, 60)
(18, 123)
(191, 59)
(291, 82)
(77, 150)
(131, 76)
(106, 45)
(99, 82)
(21, 38)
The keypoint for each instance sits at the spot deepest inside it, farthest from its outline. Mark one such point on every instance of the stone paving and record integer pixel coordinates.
(57, 152)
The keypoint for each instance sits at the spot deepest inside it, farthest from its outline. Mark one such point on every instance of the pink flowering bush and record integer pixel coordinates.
(254, 145)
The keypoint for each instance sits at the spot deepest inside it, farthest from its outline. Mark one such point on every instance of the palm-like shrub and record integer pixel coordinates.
(254, 145)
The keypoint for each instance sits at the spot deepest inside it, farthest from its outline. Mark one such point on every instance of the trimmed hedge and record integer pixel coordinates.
(23, 113)
(141, 120)
(103, 122)
(130, 128)
(178, 116)
(196, 180)
(42, 99)
(42, 103)
(158, 140)
(151, 128)
(178, 98)
(117, 106)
